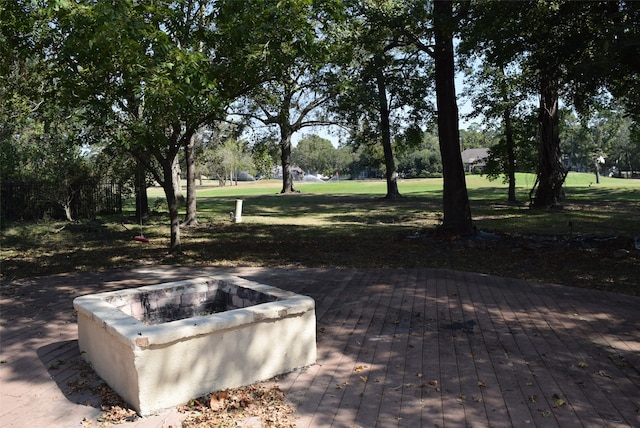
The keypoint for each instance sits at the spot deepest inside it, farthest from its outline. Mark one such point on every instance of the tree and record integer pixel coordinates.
(599, 141)
(290, 99)
(315, 154)
(573, 50)
(40, 141)
(264, 156)
(496, 94)
(429, 28)
(289, 105)
(154, 73)
(384, 89)
(226, 159)
(457, 210)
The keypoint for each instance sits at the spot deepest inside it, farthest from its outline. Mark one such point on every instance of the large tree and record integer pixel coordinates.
(40, 140)
(429, 28)
(151, 74)
(570, 51)
(385, 86)
(297, 77)
(457, 210)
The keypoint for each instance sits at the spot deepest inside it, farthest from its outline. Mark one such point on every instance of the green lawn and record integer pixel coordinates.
(360, 202)
(348, 224)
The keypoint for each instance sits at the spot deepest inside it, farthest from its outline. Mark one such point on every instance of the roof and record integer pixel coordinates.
(474, 155)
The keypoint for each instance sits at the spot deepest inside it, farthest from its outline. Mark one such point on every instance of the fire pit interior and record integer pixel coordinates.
(157, 305)
(160, 346)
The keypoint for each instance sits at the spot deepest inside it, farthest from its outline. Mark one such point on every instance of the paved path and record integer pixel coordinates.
(405, 348)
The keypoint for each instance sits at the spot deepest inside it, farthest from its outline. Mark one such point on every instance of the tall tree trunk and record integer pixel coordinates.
(385, 129)
(511, 157)
(170, 191)
(168, 183)
(142, 202)
(190, 217)
(175, 177)
(285, 157)
(457, 211)
(550, 173)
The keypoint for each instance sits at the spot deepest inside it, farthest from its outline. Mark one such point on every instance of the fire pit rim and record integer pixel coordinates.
(135, 333)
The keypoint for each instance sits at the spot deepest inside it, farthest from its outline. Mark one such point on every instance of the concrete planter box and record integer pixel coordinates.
(160, 346)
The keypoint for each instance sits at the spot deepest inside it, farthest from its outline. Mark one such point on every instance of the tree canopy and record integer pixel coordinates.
(143, 80)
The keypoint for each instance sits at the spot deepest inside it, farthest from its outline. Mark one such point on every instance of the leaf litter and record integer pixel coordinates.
(232, 406)
(226, 408)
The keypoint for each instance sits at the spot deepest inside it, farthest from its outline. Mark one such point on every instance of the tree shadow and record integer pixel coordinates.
(73, 376)
(408, 347)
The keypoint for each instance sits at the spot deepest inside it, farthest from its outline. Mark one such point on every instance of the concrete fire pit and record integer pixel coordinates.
(160, 346)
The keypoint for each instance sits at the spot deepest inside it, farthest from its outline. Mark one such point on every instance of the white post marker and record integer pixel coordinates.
(238, 213)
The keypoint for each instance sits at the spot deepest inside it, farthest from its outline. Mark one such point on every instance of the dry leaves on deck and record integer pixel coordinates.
(227, 408)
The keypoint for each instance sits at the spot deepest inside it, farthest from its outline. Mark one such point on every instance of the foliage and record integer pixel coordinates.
(43, 144)
(605, 135)
(298, 72)
(151, 75)
(524, 136)
(421, 161)
(226, 160)
(385, 85)
(316, 155)
(131, 78)
(264, 154)
(556, 49)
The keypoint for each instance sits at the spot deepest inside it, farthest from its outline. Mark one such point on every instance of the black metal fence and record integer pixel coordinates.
(36, 200)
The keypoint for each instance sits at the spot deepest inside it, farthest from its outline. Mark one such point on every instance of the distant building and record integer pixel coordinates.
(475, 159)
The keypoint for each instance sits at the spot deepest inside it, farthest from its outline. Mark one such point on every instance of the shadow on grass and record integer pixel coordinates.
(352, 232)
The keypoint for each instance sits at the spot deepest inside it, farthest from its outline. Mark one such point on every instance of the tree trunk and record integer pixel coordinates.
(142, 202)
(66, 206)
(457, 211)
(385, 130)
(511, 157)
(175, 177)
(550, 173)
(175, 245)
(190, 217)
(170, 191)
(169, 186)
(285, 157)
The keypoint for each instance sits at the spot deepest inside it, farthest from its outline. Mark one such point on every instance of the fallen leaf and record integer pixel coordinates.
(559, 402)
(582, 364)
(358, 369)
(604, 374)
(364, 378)
(481, 384)
(217, 401)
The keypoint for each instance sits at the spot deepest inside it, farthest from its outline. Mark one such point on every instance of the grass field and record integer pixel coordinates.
(348, 224)
(361, 202)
